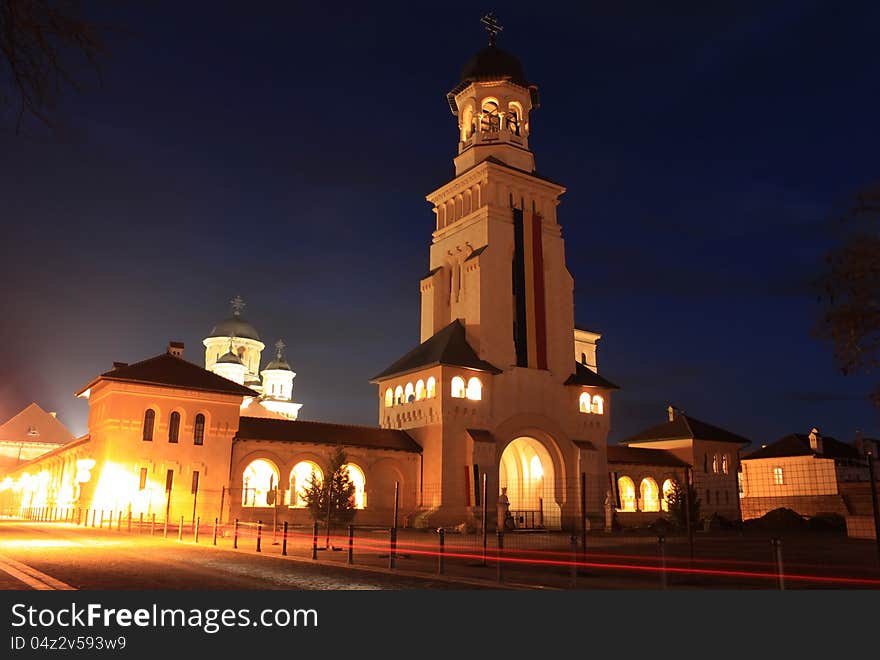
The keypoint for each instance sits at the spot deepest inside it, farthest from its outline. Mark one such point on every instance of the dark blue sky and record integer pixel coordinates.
(284, 155)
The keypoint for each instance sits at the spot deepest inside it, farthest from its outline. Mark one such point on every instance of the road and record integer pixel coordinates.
(62, 556)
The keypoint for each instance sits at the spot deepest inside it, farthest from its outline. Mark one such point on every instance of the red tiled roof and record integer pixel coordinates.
(642, 456)
(169, 371)
(325, 433)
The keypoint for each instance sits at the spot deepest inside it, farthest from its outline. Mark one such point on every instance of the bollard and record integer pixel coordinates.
(442, 533)
(101, 523)
(499, 554)
(574, 556)
(315, 540)
(119, 522)
(79, 515)
(284, 540)
(235, 534)
(180, 530)
(661, 545)
(214, 539)
(94, 515)
(129, 521)
(392, 554)
(351, 544)
(165, 528)
(196, 530)
(259, 534)
(777, 544)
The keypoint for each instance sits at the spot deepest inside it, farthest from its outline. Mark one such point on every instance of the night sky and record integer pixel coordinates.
(284, 155)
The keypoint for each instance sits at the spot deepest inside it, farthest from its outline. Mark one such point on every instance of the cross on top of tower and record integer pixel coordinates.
(237, 305)
(493, 27)
(279, 348)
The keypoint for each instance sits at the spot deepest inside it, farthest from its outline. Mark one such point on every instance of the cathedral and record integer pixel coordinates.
(502, 394)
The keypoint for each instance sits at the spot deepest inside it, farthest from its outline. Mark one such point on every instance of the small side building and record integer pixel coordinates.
(805, 472)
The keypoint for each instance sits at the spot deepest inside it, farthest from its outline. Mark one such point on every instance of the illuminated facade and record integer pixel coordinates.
(502, 383)
(711, 453)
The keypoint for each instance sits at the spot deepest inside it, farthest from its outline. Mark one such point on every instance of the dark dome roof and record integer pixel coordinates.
(279, 364)
(235, 326)
(492, 63)
(229, 358)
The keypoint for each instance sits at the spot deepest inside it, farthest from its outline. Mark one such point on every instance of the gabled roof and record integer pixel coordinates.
(798, 444)
(447, 347)
(641, 456)
(33, 424)
(685, 427)
(583, 375)
(170, 371)
(324, 433)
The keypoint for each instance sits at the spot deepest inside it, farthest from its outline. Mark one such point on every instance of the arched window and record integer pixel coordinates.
(259, 483)
(300, 480)
(584, 359)
(668, 487)
(514, 118)
(174, 427)
(431, 388)
(474, 389)
(458, 387)
(409, 394)
(715, 463)
(398, 395)
(199, 430)
(627, 490)
(649, 494)
(725, 464)
(467, 122)
(598, 406)
(389, 398)
(357, 478)
(584, 402)
(490, 119)
(149, 423)
(420, 389)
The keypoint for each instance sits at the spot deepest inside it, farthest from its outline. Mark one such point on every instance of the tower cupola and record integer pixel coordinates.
(493, 103)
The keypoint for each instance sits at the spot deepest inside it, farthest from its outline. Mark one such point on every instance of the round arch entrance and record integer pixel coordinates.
(526, 470)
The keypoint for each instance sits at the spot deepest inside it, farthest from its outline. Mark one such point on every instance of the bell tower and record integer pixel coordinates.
(493, 102)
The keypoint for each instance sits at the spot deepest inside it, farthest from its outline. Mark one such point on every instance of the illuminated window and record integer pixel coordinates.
(474, 389)
(514, 118)
(199, 430)
(627, 490)
(142, 483)
(420, 389)
(260, 478)
(725, 464)
(490, 120)
(777, 476)
(357, 478)
(389, 398)
(398, 395)
(584, 402)
(668, 487)
(409, 394)
(649, 494)
(174, 427)
(458, 387)
(431, 388)
(715, 463)
(149, 423)
(301, 479)
(598, 405)
(467, 122)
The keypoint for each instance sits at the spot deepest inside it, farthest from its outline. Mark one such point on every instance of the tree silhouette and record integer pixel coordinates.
(849, 289)
(42, 45)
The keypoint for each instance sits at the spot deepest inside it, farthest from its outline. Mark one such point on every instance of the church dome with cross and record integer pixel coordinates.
(233, 350)
(492, 63)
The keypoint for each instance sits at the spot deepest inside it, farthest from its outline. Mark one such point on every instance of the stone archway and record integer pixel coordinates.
(526, 469)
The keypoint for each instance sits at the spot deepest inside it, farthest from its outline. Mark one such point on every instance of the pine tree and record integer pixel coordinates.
(337, 486)
(677, 508)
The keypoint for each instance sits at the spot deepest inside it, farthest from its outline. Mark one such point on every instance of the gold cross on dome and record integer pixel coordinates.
(493, 27)
(237, 305)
